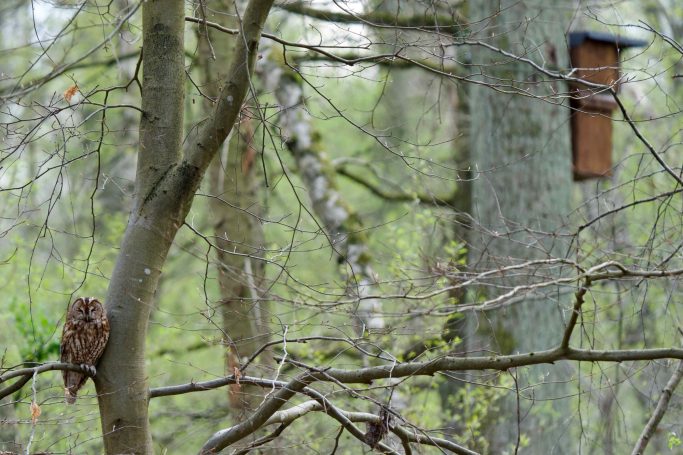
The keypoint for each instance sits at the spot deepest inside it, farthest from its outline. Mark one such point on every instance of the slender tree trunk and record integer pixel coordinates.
(340, 222)
(235, 210)
(165, 185)
(121, 379)
(239, 236)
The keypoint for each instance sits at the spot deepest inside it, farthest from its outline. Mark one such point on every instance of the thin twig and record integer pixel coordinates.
(282, 362)
(576, 310)
(34, 402)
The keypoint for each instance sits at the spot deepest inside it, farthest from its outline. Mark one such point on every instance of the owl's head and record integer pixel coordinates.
(86, 309)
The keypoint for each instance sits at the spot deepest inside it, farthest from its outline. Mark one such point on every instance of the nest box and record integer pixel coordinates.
(595, 58)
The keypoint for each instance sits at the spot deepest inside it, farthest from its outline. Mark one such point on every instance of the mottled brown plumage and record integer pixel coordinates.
(84, 337)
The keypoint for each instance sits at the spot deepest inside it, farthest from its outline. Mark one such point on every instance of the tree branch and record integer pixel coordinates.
(643, 140)
(270, 405)
(288, 416)
(204, 141)
(29, 86)
(380, 19)
(316, 52)
(26, 373)
(429, 368)
(463, 280)
(14, 387)
(266, 413)
(264, 440)
(576, 311)
(662, 405)
(446, 201)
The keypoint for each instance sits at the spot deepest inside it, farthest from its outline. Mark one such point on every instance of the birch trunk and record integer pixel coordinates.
(341, 224)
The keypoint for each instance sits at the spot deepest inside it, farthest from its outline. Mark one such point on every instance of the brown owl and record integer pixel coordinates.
(85, 335)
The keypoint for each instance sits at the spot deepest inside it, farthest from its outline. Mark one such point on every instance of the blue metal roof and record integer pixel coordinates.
(577, 38)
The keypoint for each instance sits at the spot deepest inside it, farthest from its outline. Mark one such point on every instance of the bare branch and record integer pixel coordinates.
(270, 405)
(27, 373)
(36, 83)
(578, 302)
(204, 141)
(645, 142)
(595, 273)
(317, 49)
(288, 416)
(52, 366)
(429, 368)
(378, 18)
(377, 190)
(659, 411)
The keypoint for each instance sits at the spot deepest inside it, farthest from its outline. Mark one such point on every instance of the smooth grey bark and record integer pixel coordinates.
(341, 223)
(121, 380)
(166, 181)
(521, 157)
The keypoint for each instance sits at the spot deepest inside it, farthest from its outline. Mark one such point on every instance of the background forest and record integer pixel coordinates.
(342, 227)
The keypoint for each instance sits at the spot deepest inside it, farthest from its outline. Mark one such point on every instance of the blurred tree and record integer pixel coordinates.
(235, 212)
(519, 149)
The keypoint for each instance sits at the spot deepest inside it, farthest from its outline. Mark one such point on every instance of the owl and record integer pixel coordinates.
(84, 337)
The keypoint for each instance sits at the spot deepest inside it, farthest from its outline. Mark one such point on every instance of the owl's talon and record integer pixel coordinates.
(90, 369)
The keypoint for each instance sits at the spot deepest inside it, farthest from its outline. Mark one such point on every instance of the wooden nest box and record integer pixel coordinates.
(595, 58)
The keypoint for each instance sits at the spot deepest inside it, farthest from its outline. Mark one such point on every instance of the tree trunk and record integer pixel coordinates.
(235, 211)
(341, 223)
(240, 238)
(121, 379)
(165, 185)
(520, 150)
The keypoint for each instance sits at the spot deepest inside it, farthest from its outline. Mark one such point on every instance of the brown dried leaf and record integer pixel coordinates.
(70, 92)
(35, 412)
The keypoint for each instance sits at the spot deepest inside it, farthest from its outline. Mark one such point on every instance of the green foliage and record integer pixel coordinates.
(425, 345)
(36, 329)
(476, 409)
(453, 327)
